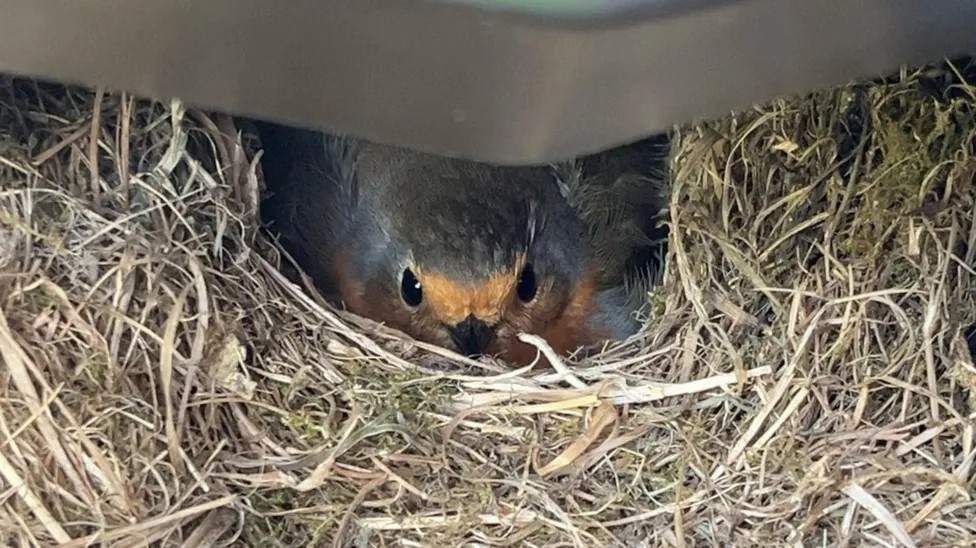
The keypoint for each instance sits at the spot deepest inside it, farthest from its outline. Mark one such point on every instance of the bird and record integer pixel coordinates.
(465, 254)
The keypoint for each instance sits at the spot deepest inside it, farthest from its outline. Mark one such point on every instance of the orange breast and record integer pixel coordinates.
(353, 295)
(453, 302)
(567, 332)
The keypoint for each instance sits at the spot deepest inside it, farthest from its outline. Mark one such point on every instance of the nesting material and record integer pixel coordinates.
(804, 379)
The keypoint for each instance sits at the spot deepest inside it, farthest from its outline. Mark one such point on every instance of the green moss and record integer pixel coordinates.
(911, 140)
(405, 392)
(658, 303)
(308, 426)
(570, 428)
(321, 528)
(484, 493)
(408, 392)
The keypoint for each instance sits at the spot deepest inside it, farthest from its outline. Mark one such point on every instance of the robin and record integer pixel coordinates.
(465, 254)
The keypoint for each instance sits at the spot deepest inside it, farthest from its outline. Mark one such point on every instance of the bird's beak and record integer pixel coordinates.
(472, 336)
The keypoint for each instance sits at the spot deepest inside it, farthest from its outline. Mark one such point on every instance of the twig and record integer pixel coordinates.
(139, 528)
(554, 360)
(351, 510)
(617, 393)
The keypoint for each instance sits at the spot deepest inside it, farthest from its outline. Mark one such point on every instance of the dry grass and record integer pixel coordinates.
(805, 377)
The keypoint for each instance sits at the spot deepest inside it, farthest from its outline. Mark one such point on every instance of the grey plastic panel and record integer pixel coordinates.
(534, 81)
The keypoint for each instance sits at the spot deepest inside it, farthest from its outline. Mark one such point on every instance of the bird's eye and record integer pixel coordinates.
(410, 289)
(526, 286)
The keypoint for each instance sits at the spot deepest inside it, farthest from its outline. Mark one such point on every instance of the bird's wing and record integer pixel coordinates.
(620, 194)
(310, 178)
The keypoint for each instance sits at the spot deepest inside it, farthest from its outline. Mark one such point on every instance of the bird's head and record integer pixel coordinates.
(469, 259)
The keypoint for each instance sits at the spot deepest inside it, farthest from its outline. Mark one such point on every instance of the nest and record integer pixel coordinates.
(804, 378)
